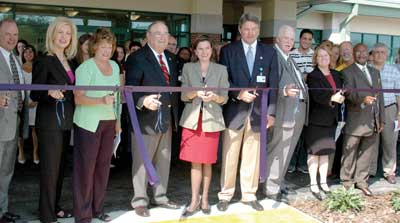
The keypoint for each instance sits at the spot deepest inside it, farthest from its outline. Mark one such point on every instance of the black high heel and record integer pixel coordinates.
(325, 191)
(186, 213)
(206, 210)
(317, 195)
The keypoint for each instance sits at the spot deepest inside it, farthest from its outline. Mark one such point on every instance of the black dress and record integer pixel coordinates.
(320, 132)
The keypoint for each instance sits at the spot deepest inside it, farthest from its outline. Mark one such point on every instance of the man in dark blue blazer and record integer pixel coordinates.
(157, 114)
(250, 64)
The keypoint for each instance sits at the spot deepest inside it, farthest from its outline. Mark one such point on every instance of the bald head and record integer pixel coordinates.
(8, 34)
(285, 38)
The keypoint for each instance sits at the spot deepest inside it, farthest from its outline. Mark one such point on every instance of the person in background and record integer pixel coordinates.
(303, 57)
(119, 58)
(172, 44)
(202, 120)
(20, 48)
(346, 55)
(28, 57)
(390, 80)
(54, 113)
(184, 55)
(97, 120)
(134, 46)
(83, 49)
(335, 56)
(319, 135)
(127, 49)
(398, 57)
(326, 43)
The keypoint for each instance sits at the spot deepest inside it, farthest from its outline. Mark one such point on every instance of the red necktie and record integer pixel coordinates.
(164, 69)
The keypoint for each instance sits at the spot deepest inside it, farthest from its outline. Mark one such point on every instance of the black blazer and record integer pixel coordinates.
(49, 70)
(265, 63)
(321, 112)
(142, 69)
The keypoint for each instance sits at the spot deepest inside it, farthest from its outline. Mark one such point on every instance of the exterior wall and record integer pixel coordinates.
(169, 6)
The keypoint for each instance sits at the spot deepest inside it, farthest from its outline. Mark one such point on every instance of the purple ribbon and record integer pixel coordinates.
(263, 135)
(151, 172)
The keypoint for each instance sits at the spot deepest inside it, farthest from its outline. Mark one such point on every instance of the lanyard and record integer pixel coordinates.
(60, 102)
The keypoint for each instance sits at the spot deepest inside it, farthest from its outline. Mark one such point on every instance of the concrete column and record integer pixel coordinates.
(207, 19)
(332, 29)
(276, 13)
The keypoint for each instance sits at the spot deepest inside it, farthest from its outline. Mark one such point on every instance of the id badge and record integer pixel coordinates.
(180, 78)
(261, 79)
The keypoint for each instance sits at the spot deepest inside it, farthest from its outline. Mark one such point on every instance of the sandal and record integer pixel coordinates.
(104, 217)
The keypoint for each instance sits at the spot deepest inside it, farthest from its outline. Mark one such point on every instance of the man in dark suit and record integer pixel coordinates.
(364, 122)
(13, 109)
(250, 64)
(291, 115)
(157, 114)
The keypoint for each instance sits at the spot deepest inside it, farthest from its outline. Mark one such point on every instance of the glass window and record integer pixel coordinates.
(356, 38)
(101, 23)
(385, 39)
(369, 39)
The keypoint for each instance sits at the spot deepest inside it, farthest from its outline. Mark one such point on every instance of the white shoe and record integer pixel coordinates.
(21, 161)
(36, 161)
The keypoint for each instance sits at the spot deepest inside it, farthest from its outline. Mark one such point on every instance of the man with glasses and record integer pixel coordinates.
(157, 114)
(172, 44)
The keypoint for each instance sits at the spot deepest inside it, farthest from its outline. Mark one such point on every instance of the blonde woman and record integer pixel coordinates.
(54, 113)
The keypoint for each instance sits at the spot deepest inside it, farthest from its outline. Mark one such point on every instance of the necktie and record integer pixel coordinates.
(164, 69)
(250, 60)
(364, 70)
(14, 71)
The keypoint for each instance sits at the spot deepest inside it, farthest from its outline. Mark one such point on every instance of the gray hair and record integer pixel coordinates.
(285, 28)
(155, 23)
(248, 17)
(7, 20)
(379, 45)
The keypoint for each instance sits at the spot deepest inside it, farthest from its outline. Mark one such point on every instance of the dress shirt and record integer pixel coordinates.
(390, 77)
(298, 74)
(303, 60)
(365, 68)
(253, 47)
(163, 57)
(6, 55)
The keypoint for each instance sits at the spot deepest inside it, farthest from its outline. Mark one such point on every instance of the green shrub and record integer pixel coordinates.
(342, 200)
(395, 201)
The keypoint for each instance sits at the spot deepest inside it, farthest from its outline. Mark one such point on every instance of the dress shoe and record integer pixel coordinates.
(325, 189)
(391, 179)
(315, 193)
(366, 191)
(169, 205)
(142, 211)
(222, 205)
(187, 213)
(254, 204)
(278, 197)
(12, 216)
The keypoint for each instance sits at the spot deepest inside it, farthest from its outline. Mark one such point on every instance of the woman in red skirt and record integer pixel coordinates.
(202, 120)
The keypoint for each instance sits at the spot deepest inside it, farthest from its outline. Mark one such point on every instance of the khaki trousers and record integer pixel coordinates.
(246, 143)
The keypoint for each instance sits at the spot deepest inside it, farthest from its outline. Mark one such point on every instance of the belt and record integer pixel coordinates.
(386, 106)
(302, 100)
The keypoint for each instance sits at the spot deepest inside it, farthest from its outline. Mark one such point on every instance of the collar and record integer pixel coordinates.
(5, 53)
(362, 66)
(156, 54)
(246, 45)
(309, 52)
(281, 52)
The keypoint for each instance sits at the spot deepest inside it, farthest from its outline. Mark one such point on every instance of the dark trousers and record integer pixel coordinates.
(92, 159)
(52, 144)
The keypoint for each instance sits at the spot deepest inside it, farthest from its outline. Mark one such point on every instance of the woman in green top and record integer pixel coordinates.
(96, 121)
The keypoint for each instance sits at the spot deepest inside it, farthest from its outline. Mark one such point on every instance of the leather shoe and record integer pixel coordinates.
(278, 197)
(12, 216)
(222, 205)
(366, 191)
(254, 204)
(391, 179)
(4, 219)
(142, 211)
(169, 205)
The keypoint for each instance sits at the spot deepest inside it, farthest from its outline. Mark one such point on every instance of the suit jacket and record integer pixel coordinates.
(322, 113)
(9, 115)
(142, 69)
(285, 106)
(362, 120)
(233, 57)
(212, 119)
(49, 70)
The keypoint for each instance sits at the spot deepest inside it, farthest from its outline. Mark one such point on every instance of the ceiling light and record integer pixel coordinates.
(4, 9)
(71, 13)
(135, 17)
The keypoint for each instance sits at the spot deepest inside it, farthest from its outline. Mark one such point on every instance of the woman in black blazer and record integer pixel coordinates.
(324, 85)
(54, 113)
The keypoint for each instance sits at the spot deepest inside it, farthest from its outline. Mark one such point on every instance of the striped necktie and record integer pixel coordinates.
(164, 69)
(14, 71)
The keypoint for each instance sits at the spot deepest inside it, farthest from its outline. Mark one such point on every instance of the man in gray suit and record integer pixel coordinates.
(365, 120)
(291, 115)
(12, 104)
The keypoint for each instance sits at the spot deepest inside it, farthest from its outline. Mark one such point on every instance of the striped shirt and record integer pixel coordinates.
(303, 61)
(390, 77)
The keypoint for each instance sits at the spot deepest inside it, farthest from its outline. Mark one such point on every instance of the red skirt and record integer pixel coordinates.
(198, 146)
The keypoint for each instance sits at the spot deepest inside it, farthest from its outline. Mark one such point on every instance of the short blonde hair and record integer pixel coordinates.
(102, 35)
(316, 53)
(71, 49)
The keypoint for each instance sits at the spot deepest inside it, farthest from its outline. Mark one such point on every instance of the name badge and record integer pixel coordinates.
(180, 78)
(261, 79)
